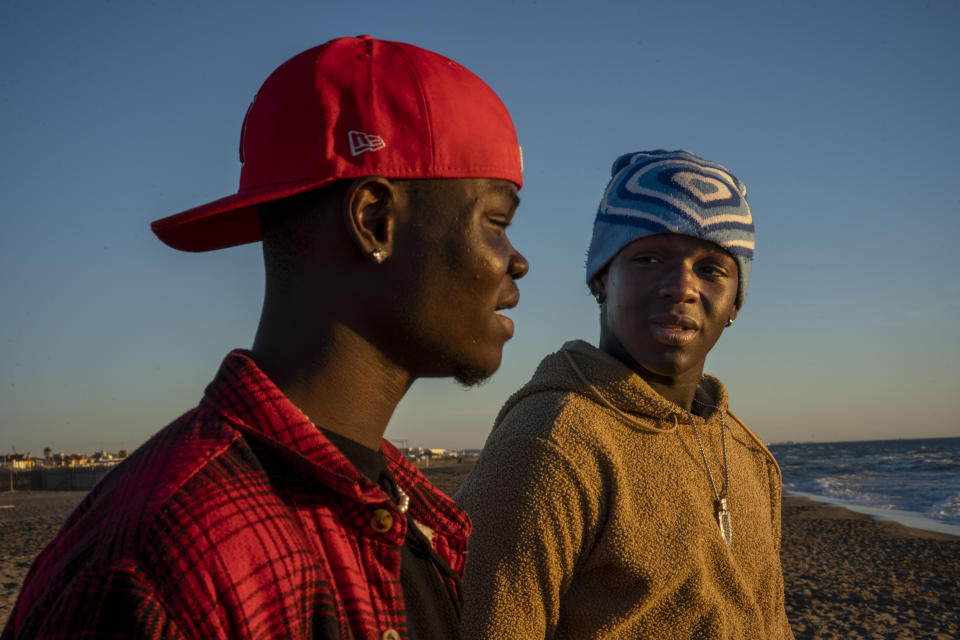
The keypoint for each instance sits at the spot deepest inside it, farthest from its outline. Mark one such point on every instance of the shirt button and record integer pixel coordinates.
(381, 522)
(390, 634)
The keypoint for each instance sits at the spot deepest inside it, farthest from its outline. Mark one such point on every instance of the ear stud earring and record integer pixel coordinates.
(378, 255)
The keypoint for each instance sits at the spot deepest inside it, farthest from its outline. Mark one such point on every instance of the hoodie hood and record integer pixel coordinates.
(581, 368)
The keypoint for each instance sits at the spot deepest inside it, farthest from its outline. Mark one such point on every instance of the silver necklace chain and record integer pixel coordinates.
(723, 439)
(723, 513)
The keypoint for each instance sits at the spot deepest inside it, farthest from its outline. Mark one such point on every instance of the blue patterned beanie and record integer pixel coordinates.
(665, 191)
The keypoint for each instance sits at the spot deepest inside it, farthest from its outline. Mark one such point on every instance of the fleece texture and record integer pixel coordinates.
(587, 525)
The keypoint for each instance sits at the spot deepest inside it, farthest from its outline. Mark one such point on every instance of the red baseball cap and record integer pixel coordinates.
(354, 107)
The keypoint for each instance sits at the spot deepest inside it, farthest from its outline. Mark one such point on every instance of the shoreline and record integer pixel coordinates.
(811, 508)
(909, 519)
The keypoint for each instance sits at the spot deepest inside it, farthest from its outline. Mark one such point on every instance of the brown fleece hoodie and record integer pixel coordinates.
(589, 525)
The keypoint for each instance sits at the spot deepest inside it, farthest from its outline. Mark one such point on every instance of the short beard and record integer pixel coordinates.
(469, 377)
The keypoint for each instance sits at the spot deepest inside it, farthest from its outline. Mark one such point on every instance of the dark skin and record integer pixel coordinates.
(344, 337)
(665, 300)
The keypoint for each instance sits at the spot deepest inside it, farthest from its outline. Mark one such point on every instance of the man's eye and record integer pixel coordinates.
(500, 222)
(646, 259)
(714, 270)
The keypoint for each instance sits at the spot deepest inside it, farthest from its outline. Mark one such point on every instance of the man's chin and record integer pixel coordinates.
(472, 374)
(469, 369)
(471, 377)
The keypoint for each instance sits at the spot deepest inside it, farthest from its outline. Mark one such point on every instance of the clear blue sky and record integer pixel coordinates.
(841, 118)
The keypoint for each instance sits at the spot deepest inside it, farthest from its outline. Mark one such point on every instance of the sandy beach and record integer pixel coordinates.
(28, 520)
(846, 576)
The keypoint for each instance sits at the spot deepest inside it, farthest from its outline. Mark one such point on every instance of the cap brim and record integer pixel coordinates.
(226, 222)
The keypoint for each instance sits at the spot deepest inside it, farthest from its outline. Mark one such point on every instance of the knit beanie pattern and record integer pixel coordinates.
(665, 191)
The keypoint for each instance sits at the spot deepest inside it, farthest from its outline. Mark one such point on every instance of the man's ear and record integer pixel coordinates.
(598, 287)
(369, 210)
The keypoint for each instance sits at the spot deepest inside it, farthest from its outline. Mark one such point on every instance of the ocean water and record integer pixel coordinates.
(913, 481)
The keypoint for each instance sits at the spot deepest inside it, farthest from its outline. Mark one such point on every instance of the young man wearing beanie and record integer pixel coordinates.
(381, 178)
(618, 496)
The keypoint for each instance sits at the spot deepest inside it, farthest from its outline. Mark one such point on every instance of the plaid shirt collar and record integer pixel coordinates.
(253, 404)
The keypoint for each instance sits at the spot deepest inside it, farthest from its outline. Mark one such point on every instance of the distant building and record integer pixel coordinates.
(18, 461)
(70, 460)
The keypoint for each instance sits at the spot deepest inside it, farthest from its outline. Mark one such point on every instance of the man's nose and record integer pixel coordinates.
(679, 283)
(518, 265)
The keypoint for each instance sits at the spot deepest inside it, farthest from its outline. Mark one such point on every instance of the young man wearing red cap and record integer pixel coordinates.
(381, 178)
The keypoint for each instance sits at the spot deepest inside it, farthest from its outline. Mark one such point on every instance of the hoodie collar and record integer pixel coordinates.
(620, 386)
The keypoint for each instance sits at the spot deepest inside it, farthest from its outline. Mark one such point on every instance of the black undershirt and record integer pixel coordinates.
(432, 608)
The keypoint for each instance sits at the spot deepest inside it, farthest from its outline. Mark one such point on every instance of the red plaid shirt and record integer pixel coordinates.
(239, 520)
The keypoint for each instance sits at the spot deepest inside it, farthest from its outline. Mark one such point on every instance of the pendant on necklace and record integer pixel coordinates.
(723, 518)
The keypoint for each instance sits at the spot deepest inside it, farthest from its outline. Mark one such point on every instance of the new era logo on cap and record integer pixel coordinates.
(361, 142)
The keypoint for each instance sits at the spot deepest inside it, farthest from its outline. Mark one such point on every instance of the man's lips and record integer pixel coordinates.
(509, 301)
(675, 331)
(675, 320)
(506, 322)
